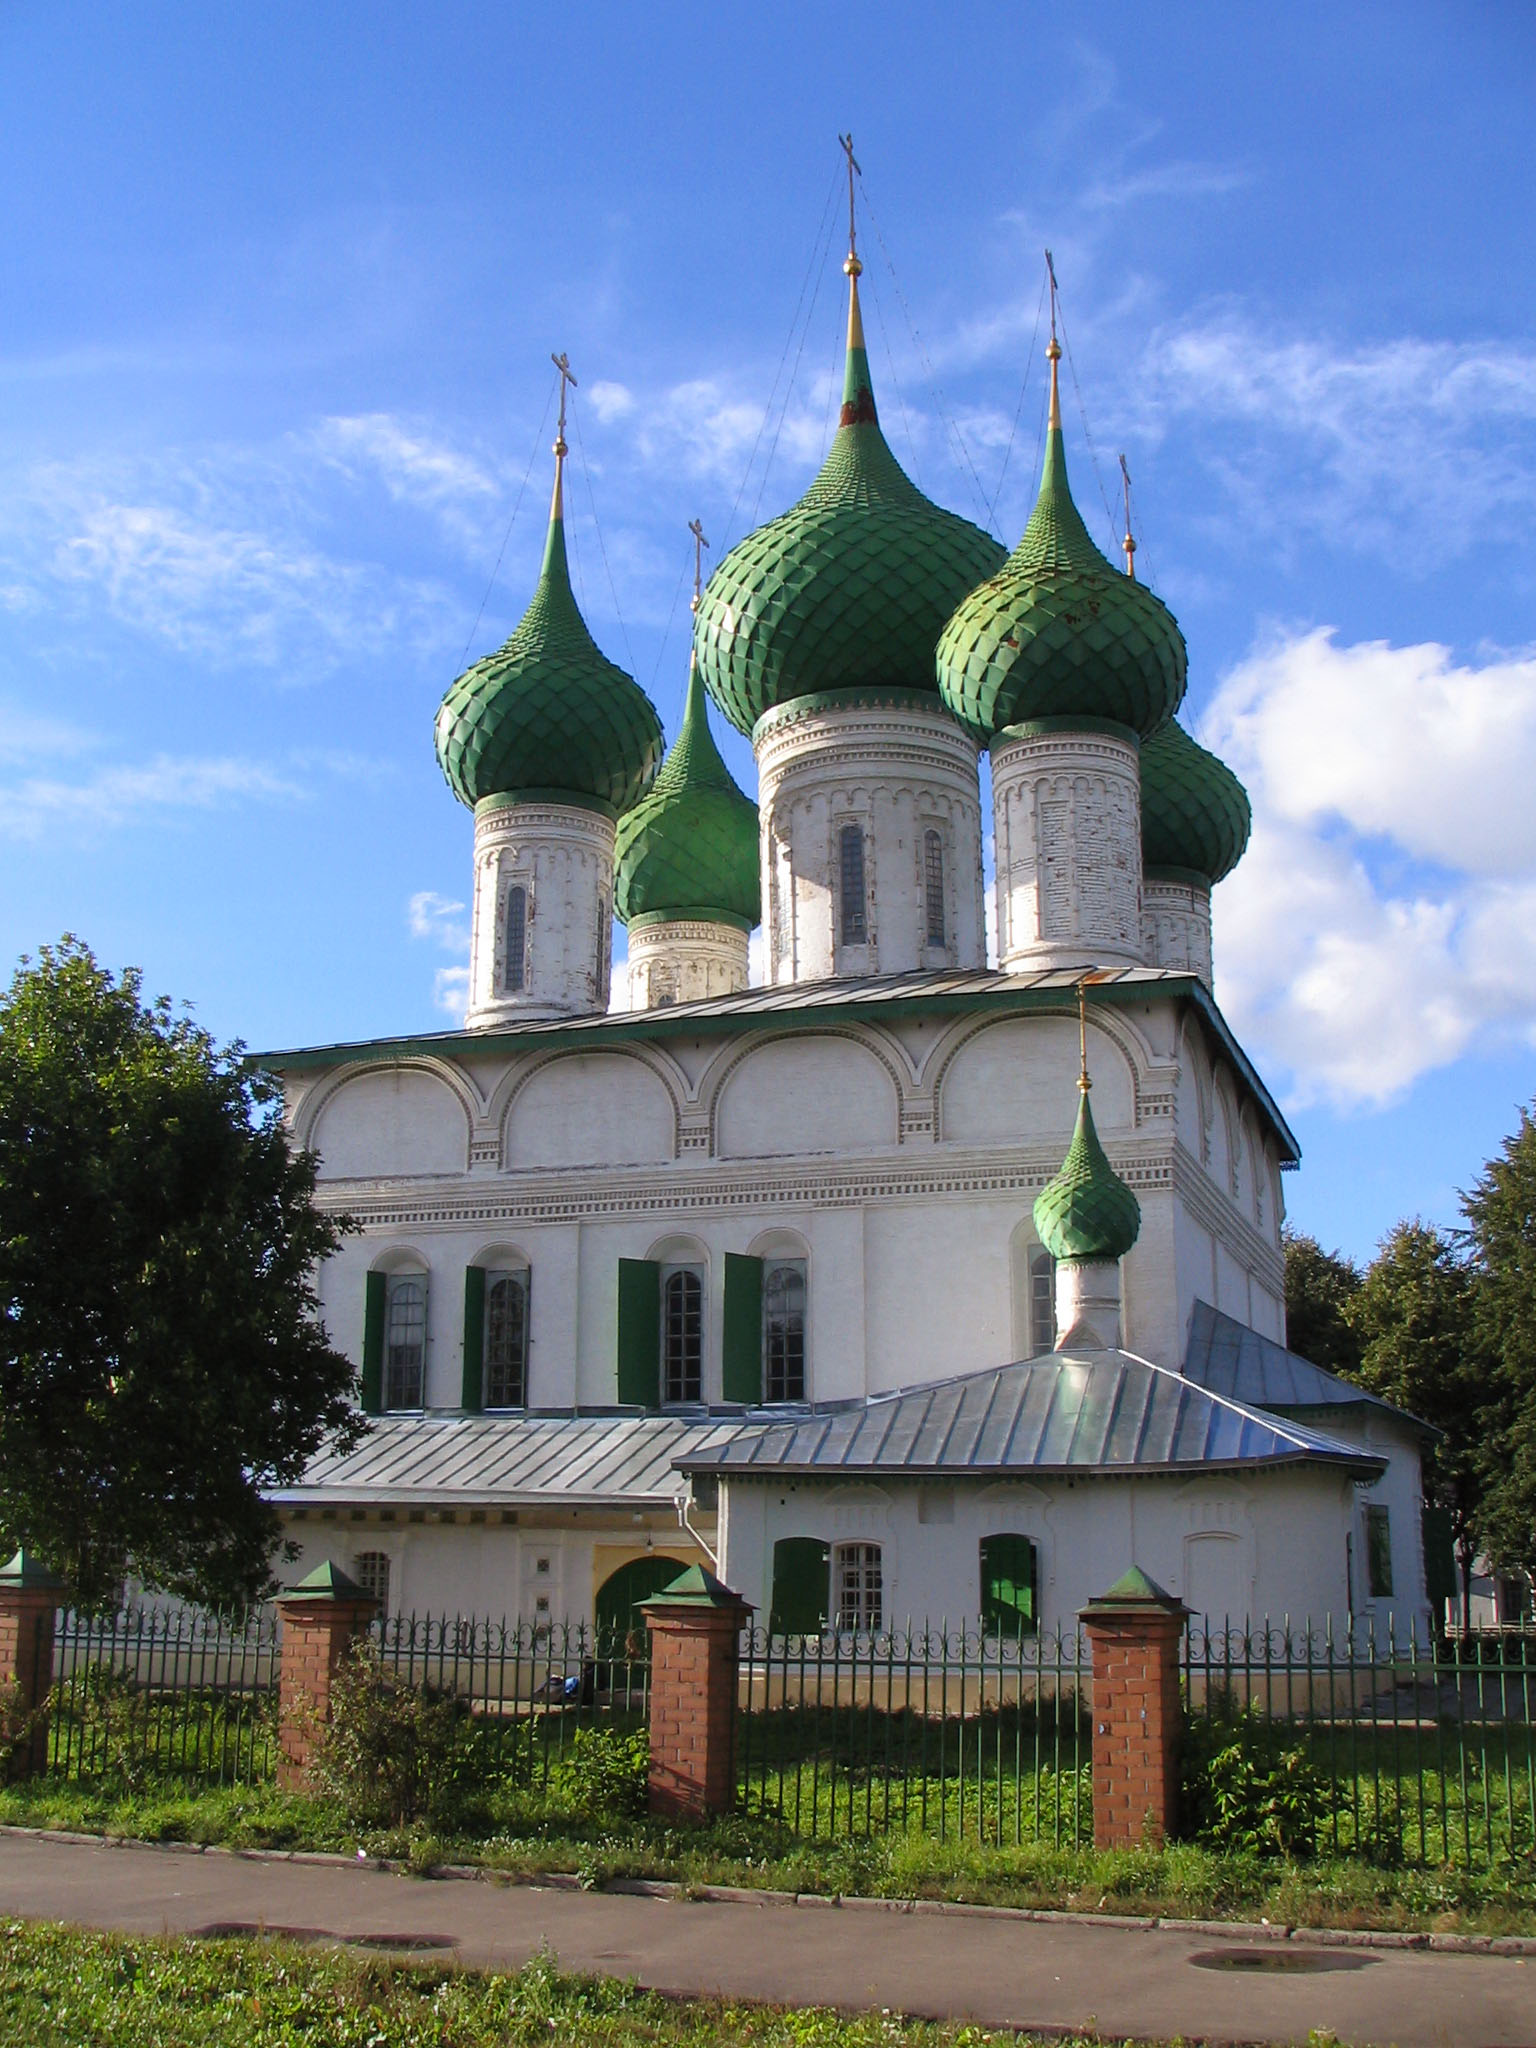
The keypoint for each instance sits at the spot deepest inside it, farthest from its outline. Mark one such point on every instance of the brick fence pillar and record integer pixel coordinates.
(29, 1598)
(322, 1617)
(1135, 1630)
(695, 1627)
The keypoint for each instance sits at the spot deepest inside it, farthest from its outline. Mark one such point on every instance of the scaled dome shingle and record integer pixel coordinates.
(1194, 811)
(1086, 1212)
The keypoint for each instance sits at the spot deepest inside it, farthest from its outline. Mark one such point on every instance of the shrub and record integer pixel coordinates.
(1249, 1783)
(603, 1772)
(388, 1755)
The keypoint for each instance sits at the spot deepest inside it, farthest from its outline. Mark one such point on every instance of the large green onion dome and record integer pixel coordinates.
(689, 847)
(1087, 1212)
(1194, 812)
(1059, 632)
(549, 715)
(847, 590)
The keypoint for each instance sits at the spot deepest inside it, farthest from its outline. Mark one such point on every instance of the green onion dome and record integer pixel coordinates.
(1194, 811)
(1059, 632)
(549, 714)
(847, 590)
(1087, 1212)
(689, 847)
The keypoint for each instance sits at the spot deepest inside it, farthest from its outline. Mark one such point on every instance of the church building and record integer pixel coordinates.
(902, 1285)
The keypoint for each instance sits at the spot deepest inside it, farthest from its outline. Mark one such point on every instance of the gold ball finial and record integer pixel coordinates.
(693, 602)
(560, 447)
(852, 267)
(1053, 350)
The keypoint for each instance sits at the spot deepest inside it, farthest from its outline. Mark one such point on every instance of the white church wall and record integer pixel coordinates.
(937, 1285)
(589, 1109)
(391, 1120)
(806, 1095)
(1019, 1080)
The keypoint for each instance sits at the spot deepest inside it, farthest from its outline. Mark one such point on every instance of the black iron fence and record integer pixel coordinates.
(949, 1733)
(1404, 1749)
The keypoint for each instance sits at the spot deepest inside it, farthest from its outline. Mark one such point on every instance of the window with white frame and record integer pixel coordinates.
(405, 1340)
(784, 1329)
(858, 1591)
(682, 1333)
(1042, 1301)
(506, 1340)
(852, 925)
(933, 887)
(515, 968)
(370, 1568)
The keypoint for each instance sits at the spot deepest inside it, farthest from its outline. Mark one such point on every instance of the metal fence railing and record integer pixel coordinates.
(179, 1693)
(949, 1733)
(1411, 1749)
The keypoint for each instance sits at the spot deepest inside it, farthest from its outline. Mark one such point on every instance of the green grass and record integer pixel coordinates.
(1182, 1881)
(60, 1988)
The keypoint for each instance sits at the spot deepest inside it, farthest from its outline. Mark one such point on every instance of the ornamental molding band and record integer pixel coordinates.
(1176, 925)
(683, 960)
(1067, 837)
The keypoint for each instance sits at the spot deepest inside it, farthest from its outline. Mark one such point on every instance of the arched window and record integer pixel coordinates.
(858, 1586)
(405, 1340)
(853, 928)
(933, 886)
(784, 1330)
(682, 1334)
(1042, 1301)
(370, 1568)
(1010, 1577)
(516, 967)
(506, 1340)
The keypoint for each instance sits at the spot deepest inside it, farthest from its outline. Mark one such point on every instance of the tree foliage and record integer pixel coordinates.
(1319, 1287)
(1501, 1226)
(162, 1360)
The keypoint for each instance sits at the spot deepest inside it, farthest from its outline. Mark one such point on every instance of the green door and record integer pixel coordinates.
(802, 1574)
(618, 1602)
(1007, 1586)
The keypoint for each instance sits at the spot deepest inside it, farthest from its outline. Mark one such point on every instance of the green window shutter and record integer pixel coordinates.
(1008, 1577)
(373, 1343)
(802, 1579)
(1378, 1552)
(640, 1333)
(1439, 1559)
(741, 1364)
(474, 1339)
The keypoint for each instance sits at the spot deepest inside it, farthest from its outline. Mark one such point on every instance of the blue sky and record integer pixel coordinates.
(281, 285)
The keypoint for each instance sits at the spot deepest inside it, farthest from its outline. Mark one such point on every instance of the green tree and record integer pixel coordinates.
(162, 1360)
(1415, 1319)
(1501, 1227)
(1319, 1287)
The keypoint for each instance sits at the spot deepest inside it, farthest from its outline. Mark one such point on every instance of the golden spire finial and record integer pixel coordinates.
(852, 267)
(696, 528)
(1053, 350)
(1083, 1082)
(1129, 543)
(562, 363)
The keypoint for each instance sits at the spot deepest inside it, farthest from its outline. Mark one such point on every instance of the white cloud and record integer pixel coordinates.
(124, 793)
(1383, 921)
(414, 467)
(611, 401)
(450, 992)
(439, 918)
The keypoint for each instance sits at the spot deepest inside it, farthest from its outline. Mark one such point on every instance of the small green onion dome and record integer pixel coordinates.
(1194, 811)
(1058, 631)
(847, 590)
(1087, 1212)
(549, 714)
(689, 847)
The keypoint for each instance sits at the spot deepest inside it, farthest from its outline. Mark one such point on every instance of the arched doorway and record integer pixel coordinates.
(619, 1620)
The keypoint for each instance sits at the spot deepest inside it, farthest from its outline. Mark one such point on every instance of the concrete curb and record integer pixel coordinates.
(748, 1895)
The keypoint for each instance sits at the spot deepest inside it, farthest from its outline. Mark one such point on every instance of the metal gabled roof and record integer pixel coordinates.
(1102, 1412)
(508, 1460)
(1227, 1358)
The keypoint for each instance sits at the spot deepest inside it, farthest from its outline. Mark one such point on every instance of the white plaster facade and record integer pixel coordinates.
(684, 960)
(904, 778)
(1066, 816)
(1176, 923)
(541, 922)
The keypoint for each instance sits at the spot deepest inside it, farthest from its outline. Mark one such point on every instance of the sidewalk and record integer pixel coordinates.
(939, 1962)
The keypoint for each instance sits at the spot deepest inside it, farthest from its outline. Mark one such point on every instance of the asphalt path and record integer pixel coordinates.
(940, 1963)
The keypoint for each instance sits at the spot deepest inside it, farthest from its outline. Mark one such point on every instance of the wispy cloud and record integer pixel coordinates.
(439, 918)
(414, 464)
(124, 793)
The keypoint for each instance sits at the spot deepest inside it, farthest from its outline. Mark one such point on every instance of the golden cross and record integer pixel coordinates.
(853, 266)
(696, 528)
(1051, 273)
(1129, 543)
(562, 363)
(1083, 1081)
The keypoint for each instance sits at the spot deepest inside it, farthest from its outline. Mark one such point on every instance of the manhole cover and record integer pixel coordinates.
(402, 1944)
(1281, 1960)
(259, 1930)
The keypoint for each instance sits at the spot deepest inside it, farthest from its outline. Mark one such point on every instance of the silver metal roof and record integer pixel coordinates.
(1227, 1358)
(508, 1460)
(1090, 1412)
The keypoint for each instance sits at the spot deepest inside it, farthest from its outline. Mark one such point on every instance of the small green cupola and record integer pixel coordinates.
(548, 715)
(1058, 632)
(846, 592)
(1086, 1214)
(1195, 816)
(689, 848)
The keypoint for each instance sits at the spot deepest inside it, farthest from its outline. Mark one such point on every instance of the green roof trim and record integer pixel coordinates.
(1059, 632)
(26, 1569)
(548, 711)
(1134, 1589)
(1195, 813)
(691, 913)
(326, 1582)
(693, 837)
(1087, 1212)
(1034, 728)
(849, 588)
(577, 799)
(695, 1588)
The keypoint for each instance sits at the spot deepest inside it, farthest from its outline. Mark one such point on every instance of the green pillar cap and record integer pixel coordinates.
(27, 1569)
(327, 1582)
(695, 1588)
(1135, 1589)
